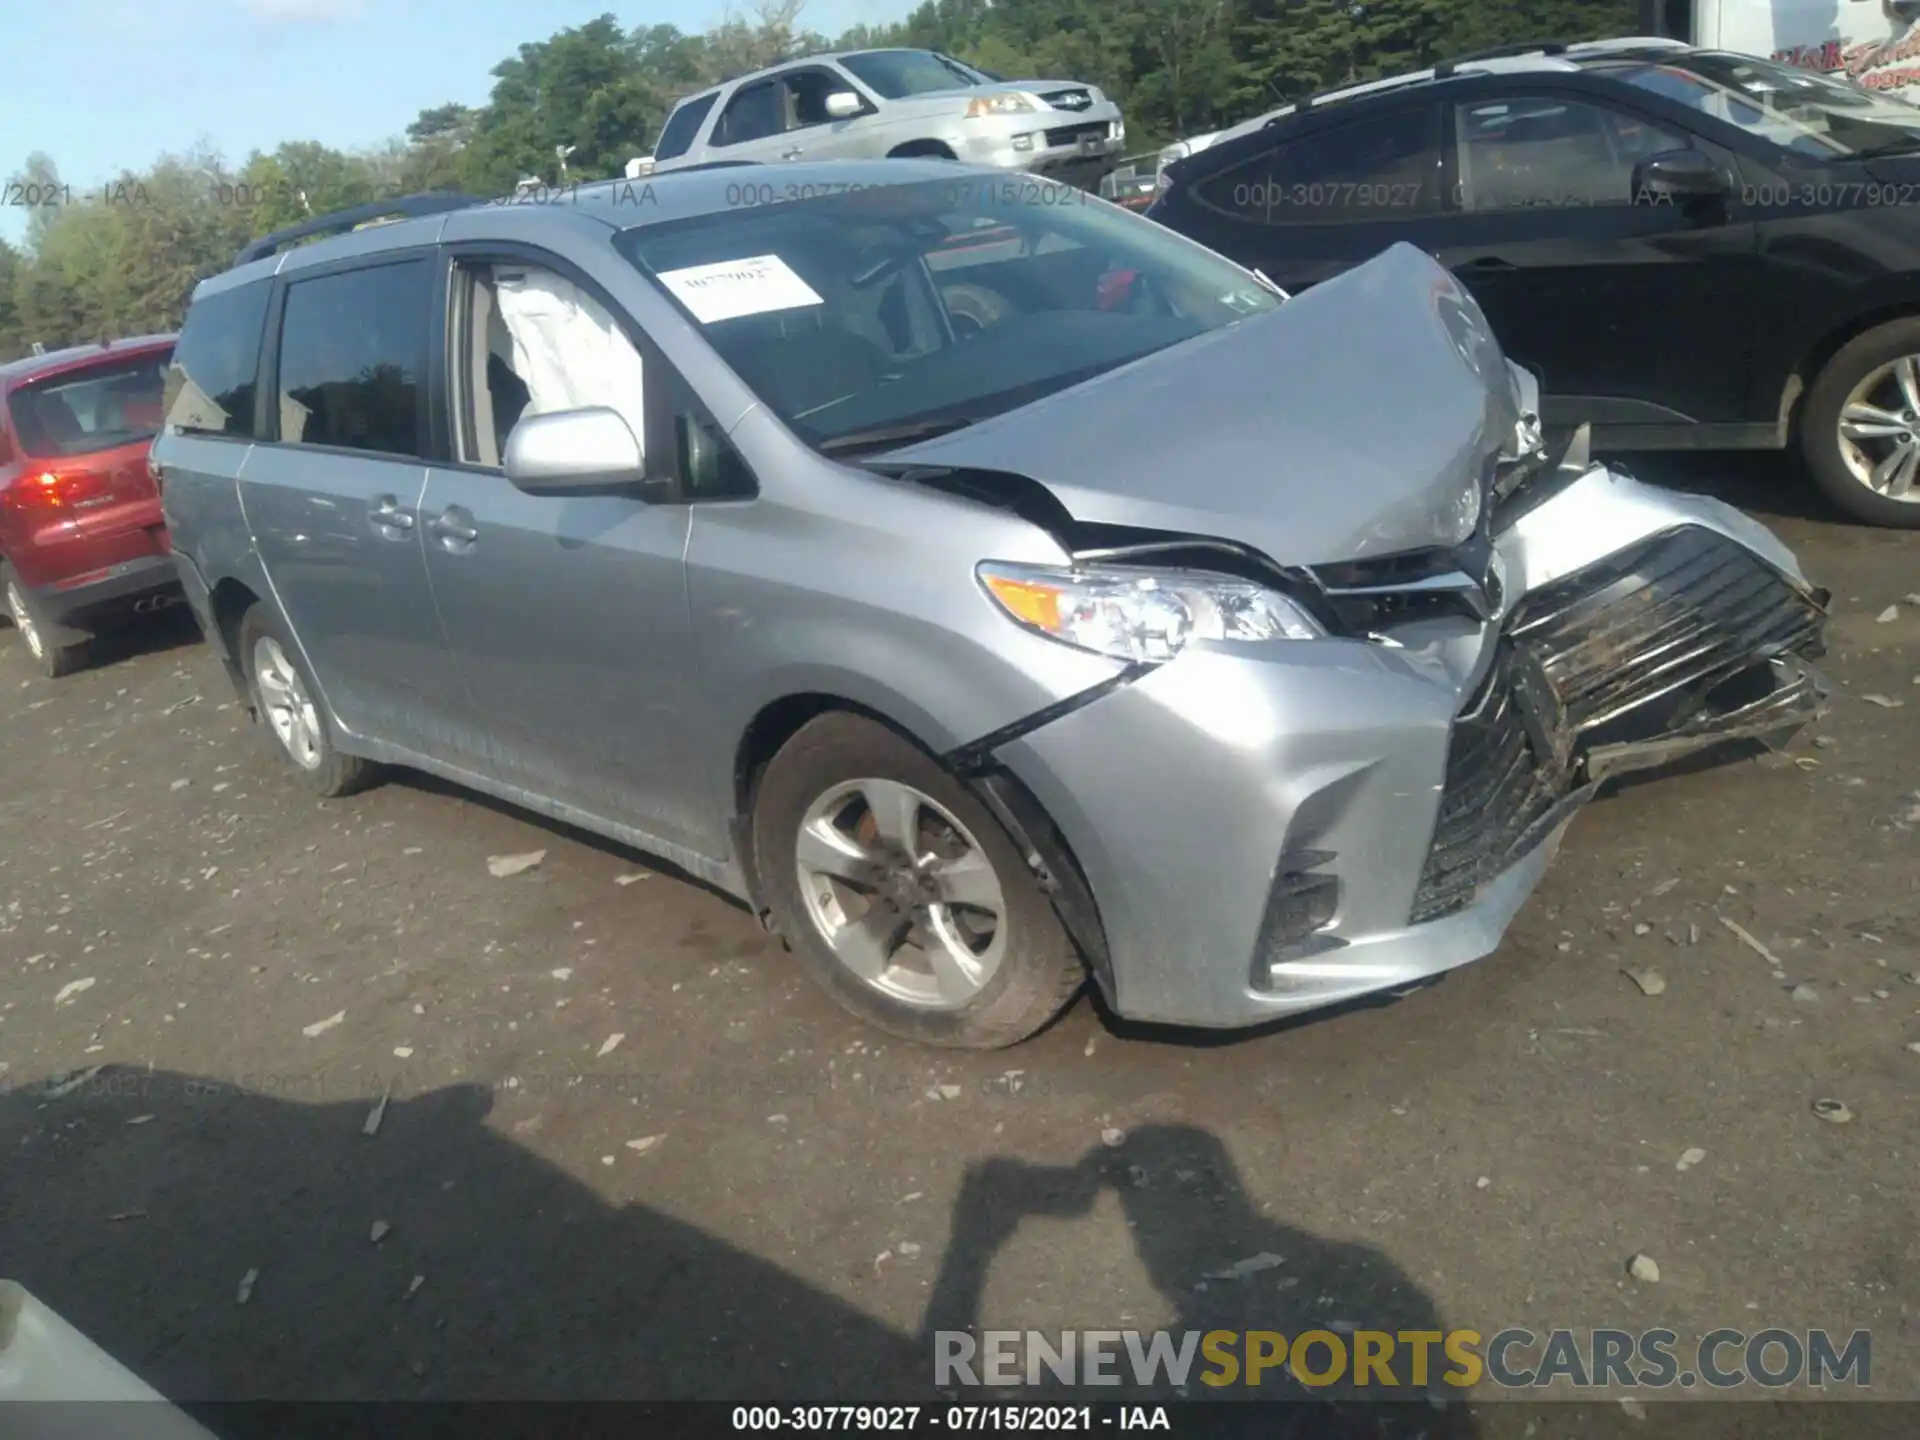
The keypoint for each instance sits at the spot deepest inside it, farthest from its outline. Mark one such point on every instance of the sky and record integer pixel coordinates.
(107, 85)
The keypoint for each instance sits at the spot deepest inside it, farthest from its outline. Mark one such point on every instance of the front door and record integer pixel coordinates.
(1636, 317)
(753, 124)
(333, 499)
(567, 615)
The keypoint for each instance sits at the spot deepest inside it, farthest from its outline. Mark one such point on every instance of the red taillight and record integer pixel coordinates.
(50, 490)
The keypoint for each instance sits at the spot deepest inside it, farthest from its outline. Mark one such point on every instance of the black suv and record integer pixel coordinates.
(1692, 249)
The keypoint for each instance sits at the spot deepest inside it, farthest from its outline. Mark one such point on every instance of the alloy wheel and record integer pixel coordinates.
(902, 893)
(23, 621)
(283, 695)
(1880, 430)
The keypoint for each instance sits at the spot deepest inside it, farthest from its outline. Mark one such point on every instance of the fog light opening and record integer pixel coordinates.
(1301, 904)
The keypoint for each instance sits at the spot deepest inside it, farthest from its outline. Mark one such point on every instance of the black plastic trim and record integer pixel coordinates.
(975, 757)
(1053, 864)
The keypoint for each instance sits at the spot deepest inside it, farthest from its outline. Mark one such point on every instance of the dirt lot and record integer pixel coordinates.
(630, 1151)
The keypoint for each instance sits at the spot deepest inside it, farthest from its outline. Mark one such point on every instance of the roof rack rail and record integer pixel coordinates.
(1499, 52)
(338, 222)
(1341, 92)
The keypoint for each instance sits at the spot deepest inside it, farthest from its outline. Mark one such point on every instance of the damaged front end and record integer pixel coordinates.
(1475, 631)
(1686, 638)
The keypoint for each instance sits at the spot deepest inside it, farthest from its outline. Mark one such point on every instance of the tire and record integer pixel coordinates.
(1828, 455)
(305, 744)
(49, 647)
(1025, 973)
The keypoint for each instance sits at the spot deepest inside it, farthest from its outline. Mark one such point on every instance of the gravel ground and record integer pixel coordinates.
(628, 1150)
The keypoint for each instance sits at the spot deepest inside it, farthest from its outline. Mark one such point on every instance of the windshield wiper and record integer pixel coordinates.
(884, 437)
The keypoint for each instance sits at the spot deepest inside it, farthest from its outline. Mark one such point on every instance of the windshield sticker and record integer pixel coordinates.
(754, 286)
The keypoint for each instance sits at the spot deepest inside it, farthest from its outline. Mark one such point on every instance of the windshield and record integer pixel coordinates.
(896, 74)
(934, 303)
(1800, 110)
(99, 408)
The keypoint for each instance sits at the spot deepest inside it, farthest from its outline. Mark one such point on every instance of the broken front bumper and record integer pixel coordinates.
(1271, 829)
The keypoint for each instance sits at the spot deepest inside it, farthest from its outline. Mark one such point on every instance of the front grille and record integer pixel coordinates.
(1660, 626)
(1072, 134)
(1498, 790)
(1671, 638)
(1068, 99)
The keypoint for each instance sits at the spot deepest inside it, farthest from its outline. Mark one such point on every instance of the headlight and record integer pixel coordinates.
(998, 105)
(1141, 615)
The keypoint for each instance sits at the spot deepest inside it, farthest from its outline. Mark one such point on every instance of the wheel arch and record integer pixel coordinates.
(922, 150)
(1800, 380)
(1012, 805)
(229, 600)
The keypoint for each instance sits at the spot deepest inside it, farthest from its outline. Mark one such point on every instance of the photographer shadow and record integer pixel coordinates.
(1192, 1223)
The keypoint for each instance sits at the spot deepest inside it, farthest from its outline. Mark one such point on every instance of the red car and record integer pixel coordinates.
(81, 535)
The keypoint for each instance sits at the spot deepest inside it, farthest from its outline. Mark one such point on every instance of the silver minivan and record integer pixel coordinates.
(819, 548)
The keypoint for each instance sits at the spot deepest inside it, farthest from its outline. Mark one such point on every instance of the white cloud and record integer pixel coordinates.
(285, 12)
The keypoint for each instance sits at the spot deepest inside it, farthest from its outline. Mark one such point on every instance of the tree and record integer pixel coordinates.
(581, 87)
(10, 344)
(443, 124)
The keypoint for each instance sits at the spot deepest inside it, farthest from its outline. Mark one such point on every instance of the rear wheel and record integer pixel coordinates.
(48, 647)
(284, 701)
(1860, 429)
(902, 895)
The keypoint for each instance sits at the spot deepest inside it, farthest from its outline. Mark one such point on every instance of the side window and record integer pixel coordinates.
(753, 114)
(210, 384)
(535, 343)
(676, 136)
(1543, 151)
(353, 349)
(1381, 168)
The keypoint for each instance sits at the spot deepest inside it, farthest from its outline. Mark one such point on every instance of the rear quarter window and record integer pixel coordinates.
(211, 384)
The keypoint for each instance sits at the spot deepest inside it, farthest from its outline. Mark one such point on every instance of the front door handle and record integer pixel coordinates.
(386, 514)
(453, 527)
(793, 154)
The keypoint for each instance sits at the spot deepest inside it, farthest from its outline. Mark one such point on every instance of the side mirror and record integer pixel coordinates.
(844, 105)
(1679, 175)
(591, 451)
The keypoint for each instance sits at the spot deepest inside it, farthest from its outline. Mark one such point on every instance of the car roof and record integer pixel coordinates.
(78, 357)
(818, 58)
(615, 204)
(1548, 59)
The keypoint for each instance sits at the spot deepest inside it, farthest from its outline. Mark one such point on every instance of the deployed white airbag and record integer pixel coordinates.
(568, 349)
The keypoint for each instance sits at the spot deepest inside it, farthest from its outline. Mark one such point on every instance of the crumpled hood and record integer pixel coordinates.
(1356, 420)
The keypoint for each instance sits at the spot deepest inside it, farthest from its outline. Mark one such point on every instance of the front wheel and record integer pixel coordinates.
(902, 895)
(1860, 428)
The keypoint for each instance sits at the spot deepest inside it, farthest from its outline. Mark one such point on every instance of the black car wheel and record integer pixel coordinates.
(1860, 428)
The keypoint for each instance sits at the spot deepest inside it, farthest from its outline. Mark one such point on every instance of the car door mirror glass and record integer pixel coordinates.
(1678, 175)
(843, 105)
(591, 451)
